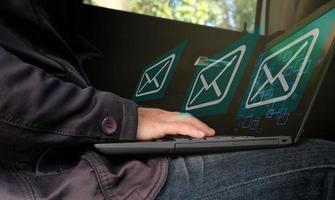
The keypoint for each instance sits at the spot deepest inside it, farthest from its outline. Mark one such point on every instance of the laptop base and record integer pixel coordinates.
(188, 145)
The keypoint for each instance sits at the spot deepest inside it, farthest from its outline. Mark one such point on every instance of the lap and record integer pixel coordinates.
(304, 169)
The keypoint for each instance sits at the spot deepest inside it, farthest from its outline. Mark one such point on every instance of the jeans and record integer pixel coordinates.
(302, 171)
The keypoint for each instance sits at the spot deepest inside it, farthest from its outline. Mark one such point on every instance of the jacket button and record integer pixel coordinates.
(109, 125)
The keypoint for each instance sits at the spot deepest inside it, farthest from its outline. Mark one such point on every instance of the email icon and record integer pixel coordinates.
(154, 77)
(213, 82)
(281, 71)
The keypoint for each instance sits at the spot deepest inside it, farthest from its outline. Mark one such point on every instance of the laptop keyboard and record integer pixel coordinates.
(218, 137)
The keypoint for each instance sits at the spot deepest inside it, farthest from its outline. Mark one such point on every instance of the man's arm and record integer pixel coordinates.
(37, 108)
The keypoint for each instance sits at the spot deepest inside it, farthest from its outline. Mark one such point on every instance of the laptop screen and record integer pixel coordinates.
(280, 87)
(243, 90)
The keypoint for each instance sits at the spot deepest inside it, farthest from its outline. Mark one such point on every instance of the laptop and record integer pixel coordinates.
(263, 105)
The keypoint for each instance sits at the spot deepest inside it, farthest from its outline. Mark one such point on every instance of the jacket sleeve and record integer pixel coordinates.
(37, 108)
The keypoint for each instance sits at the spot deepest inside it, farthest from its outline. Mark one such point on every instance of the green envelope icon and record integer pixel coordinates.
(282, 73)
(213, 82)
(155, 77)
(216, 79)
(273, 72)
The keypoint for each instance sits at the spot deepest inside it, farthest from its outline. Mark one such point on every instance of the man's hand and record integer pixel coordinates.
(156, 123)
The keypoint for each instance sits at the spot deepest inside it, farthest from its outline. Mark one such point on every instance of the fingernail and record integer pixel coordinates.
(212, 130)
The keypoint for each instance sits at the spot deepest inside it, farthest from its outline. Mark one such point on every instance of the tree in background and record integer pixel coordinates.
(87, 2)
(229, 14)
(245, 12)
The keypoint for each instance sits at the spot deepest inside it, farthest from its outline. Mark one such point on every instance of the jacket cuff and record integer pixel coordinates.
(120, 120)
(130, 120)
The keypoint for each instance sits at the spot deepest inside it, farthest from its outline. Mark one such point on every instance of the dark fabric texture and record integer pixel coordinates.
(27, 66)
(77, 173)
(38, 108)
(50, 115)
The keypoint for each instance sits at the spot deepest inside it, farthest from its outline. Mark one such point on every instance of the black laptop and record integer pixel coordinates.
(263, 105)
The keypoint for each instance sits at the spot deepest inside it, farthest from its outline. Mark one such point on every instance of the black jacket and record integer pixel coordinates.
(50, 115)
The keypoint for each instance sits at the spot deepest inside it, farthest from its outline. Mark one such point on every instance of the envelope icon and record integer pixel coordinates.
(154, 78)
(281, 71)
(213, 82)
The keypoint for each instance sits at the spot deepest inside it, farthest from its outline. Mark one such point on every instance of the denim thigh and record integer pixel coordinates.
(302, 171)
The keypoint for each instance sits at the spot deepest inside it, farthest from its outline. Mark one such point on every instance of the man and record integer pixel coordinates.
(50, 117)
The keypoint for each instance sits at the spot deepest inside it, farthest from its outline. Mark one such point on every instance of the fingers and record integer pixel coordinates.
(188, 118)
(184, 128)
(200, 125)
(156, 123)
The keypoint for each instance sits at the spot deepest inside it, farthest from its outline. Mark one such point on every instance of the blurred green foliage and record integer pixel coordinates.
(229, 14)
(87, 2)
